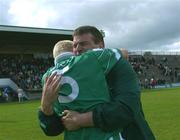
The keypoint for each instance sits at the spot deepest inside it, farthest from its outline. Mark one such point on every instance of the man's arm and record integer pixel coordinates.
(111, 116)
(108, 117)
(107, 58)
(74, 120)
(51, 86)
(50, 122)
(120, 111)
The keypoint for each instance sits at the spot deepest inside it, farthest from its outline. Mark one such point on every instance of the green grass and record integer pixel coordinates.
(162, 110)
(18, 121)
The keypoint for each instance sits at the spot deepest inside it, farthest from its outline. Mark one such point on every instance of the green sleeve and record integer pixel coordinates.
(107, 58)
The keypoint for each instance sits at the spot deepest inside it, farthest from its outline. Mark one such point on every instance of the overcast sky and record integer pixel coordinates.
(131, 24)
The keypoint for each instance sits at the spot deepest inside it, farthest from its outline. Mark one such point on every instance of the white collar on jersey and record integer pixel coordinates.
(62, 56)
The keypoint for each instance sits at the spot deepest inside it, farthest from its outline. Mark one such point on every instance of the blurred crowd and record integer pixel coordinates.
(27, 72)
(156, 71)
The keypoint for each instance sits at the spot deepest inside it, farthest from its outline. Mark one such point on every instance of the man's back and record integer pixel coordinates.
(81, 90)
(84, 89)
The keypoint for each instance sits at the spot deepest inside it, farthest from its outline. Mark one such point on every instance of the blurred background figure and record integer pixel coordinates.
(20, 95)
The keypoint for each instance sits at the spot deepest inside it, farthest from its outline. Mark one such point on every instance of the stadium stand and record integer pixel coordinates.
(154, 70)
(25, 55)
(27, 71)
(24, 71)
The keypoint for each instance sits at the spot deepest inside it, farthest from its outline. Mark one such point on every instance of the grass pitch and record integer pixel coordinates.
(18, 121)
(162, 111)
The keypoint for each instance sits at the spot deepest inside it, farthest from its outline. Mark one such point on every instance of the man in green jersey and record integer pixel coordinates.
(76, 92)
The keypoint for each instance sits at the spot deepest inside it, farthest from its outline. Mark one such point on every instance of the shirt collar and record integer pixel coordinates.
(62, 56)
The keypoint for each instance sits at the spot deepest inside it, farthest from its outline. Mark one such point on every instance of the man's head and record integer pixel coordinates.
(85, 38)
(62, 46)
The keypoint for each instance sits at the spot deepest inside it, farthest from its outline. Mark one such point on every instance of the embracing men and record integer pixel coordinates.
(122, 113)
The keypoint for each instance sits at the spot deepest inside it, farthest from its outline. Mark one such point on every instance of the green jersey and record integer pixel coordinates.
(84, 87)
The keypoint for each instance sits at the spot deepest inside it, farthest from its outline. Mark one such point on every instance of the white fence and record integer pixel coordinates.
(141, 52)
(168, 85)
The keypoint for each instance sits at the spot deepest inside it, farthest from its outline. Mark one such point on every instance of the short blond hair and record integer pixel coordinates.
(62, 46)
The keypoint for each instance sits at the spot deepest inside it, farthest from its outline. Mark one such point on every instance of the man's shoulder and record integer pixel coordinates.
(106, 53)
(104, 50)
(48, 72)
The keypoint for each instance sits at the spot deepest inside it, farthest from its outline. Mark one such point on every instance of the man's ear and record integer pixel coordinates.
(101, 44)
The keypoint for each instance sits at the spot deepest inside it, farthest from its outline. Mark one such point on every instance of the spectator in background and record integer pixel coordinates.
(1, 95)
(20, 95)
(25, 72)
(6, 93)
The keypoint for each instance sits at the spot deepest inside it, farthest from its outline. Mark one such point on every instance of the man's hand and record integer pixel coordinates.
(50, 93)
(73, 120)
(125, 53)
